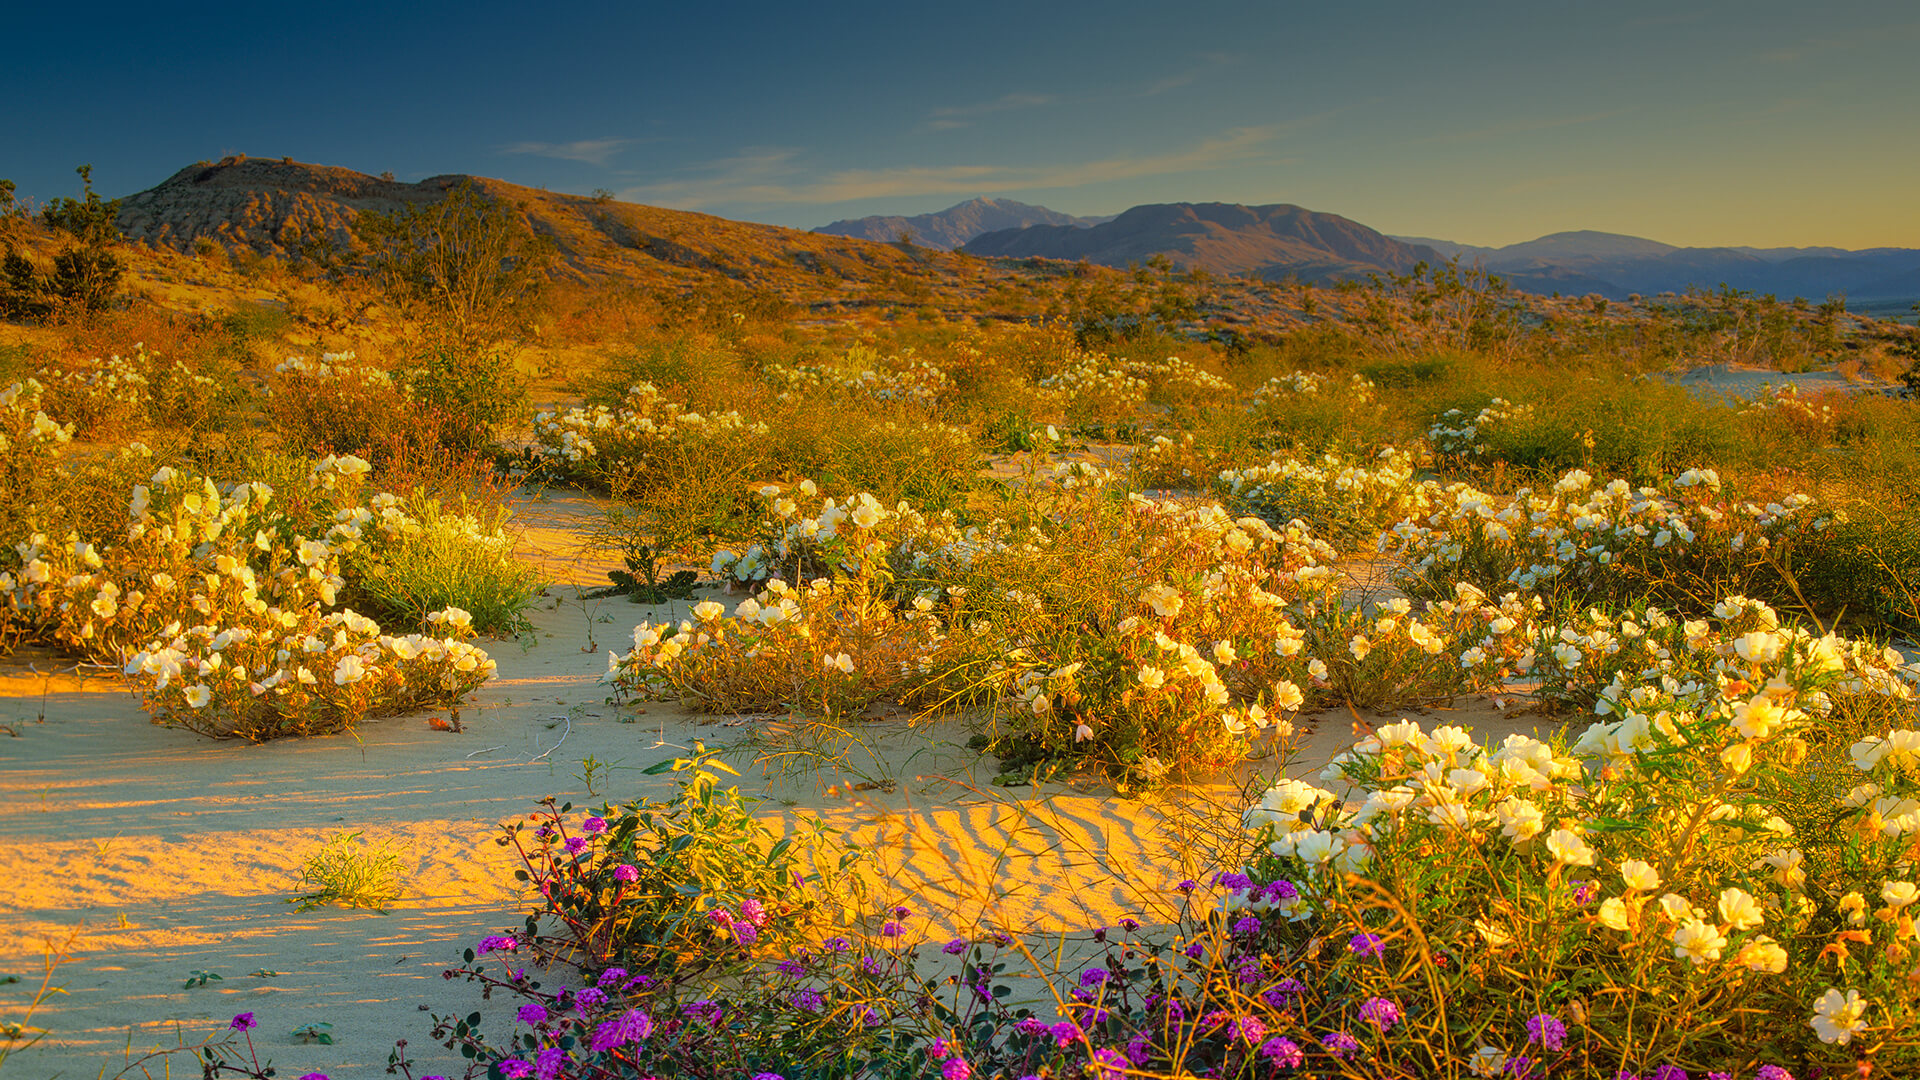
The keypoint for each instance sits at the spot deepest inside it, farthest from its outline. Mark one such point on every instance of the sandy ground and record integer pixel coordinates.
(1752, 383)
(174, 854)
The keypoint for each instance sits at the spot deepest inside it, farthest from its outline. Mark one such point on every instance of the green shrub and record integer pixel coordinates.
(450, 556)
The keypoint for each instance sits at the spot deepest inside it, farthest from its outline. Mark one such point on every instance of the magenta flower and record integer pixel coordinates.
(1064, 1033)
(1283, 1052)
(497, 943)
(1380, 1012)
(244, 1022)
(954, 947)
(1340, 1044)
(626, 872)
(1772, 1072)
(314, 1076)
(892, 929)
(576, 844)
(594, 826)
(753, 911)
(514, 1069)
(532, 1013)
(1548, 1031)
(956, 1069)
(1367, 945)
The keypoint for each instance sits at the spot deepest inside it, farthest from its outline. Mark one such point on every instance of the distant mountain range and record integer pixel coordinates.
(954, 226)
(1221, 238)
(273, 206)
(1618, 266)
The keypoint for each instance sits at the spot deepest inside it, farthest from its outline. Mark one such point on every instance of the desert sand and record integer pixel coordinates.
(172, 854)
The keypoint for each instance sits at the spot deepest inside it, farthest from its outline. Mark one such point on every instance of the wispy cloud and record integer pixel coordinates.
(957, 116)
(1209, 63)
(589, 151)
(1521, 127)
(774, 176)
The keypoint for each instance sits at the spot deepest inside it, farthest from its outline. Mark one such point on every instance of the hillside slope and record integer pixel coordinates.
(272, 207)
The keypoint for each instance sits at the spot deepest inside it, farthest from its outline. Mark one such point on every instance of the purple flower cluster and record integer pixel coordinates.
(1380, 1012)
(1548, 1031)
(1367, 945)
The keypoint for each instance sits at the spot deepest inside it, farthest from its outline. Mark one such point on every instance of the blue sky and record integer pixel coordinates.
(1695, 123)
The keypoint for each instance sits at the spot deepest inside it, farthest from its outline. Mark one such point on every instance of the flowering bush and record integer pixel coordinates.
(829, 650)
(1146, 638)
(631, 446)
(337, 405)
(1096, 394)
(1643, 887)
(1399, 655)
(29, 450)
(301, 672)
(1344, 504)
(189, 551)
(1581, 543)
(862, 374)
(104, 397)
(1458, 435)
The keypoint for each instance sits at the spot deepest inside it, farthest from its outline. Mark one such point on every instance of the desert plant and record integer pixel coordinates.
(345, 872)
(466, 259)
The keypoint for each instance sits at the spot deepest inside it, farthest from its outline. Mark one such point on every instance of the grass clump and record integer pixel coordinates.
(347, 873)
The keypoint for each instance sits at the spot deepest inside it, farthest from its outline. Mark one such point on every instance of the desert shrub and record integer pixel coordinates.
(862, 374)
(1400, 655)
(29, 442)
(1097, 397)
(694, 884)
(1146, 639)
(469, 263)
(277, 672)
(698, 369)
(337, 406)
(1316, 413)
(119, 395)
(887, 452)
(1345, 504)
(444, 556)
(827, 649)
(181, 550)
(29, 461)
(699, 936)
(1680, 545)
(642, 446)
(1642, 887)
(472, 391)
(256, 323)
(1590, 660)
(1642, 430)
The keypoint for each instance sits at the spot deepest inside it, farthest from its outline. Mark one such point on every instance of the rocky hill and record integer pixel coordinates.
(1222, 238)
(273, 207)
(954, 226)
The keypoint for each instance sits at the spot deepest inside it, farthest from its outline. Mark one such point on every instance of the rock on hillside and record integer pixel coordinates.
(1222, 238)
(272, 206)
(954, 226)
